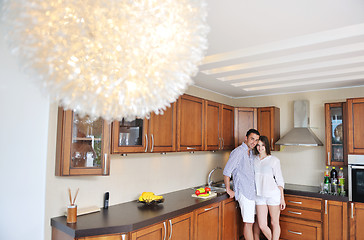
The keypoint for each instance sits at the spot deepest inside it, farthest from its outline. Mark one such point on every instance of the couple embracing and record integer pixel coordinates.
(258, 186)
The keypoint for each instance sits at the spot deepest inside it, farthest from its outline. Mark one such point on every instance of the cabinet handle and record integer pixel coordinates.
(206, 209)
(105, 163)
(219, 143)
(297, 213)
(271, 146)
(190, 148)
(170, 225)
(123, 237)
(326, 207)
(222, 145)
(146, 143)
(352, 210)
(298, 233)
(151, 150)
(328, 158)
(165, 230)
(294, 202)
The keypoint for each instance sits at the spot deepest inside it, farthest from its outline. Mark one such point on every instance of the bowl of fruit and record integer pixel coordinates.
(149, 198)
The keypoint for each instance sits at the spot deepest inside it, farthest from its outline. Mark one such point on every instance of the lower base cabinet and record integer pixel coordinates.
(295, 229)
(335, 220)
(207, 222)
(356, 220)
(229, 219)
(179, 228)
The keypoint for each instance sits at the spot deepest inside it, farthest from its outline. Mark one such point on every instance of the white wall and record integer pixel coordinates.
(23, 146)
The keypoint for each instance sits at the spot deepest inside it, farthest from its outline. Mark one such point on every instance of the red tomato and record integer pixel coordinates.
(207, 189)
(197, 192)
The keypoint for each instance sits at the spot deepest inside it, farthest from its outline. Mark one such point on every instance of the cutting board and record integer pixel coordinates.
(212, 195)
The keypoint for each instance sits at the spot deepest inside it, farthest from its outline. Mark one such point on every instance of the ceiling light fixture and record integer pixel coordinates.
(111, 59)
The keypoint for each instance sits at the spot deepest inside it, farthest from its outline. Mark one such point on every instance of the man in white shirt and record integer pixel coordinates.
(240, 167)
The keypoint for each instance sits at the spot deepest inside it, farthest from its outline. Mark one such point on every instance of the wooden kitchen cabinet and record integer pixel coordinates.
(178, 228)
(335, 129)
(190, 123)
(83, 145)
(335, 220)
(207, 222)
(229, 229)
(245, 119)
(355, 116)
(106, 237)
(156, 134)
(302, 218)
(356, 220)
(219, 126)
(269, 125)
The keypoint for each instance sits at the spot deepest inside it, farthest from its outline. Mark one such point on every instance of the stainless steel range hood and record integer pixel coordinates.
(301, 134)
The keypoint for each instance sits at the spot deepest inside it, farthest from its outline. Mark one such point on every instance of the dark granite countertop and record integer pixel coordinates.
(311, 191)
(130, 216)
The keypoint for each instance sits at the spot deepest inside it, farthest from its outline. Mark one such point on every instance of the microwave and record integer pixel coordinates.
(356, 178)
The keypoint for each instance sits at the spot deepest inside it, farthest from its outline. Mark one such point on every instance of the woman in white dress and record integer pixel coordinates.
(269, 186)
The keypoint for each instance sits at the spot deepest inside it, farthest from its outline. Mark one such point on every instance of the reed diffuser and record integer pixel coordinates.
(72, 208)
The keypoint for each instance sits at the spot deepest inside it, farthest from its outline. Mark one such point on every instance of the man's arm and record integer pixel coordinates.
(227, 186)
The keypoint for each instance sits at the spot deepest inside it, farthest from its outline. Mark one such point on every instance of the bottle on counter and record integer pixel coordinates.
(341, 182)
(333, 176)
(326, 188)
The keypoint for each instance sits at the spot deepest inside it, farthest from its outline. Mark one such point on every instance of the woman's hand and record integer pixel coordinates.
(283, 204)
(230, 192)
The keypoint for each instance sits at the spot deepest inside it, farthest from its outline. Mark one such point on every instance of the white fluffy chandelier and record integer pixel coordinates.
(109, 58)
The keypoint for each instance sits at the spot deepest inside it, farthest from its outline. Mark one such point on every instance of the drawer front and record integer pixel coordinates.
(297, 231)
(295, 201)
(302, 213)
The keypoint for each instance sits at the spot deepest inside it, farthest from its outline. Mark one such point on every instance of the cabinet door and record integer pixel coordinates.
(155, 232)
(190, 123)
(82, 145)
(269, 125)
(335, 134)
(229, 220)
(106, 237)
(335, 225)
(356, 220)
(129, 136)
(212, 126)
(207, 222)
(355, 125)
(162, 130)
(181, 228)
(245, 119)
(227, 130)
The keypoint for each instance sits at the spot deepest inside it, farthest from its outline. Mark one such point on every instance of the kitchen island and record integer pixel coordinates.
(131, 216)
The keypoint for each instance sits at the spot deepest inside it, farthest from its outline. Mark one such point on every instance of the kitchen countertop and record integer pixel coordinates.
(130, 216)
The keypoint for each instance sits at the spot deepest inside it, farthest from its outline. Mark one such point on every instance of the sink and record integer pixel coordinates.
(218, 185)
(218, 188)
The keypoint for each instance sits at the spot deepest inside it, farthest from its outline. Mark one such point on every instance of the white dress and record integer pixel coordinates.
(268, 176)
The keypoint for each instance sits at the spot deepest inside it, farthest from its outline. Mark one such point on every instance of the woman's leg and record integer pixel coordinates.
(274, 212)
(262, 215)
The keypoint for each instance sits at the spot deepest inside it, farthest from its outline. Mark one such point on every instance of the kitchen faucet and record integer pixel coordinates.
(209, 181)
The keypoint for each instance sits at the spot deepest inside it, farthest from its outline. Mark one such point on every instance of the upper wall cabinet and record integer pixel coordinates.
(245, 119)
(190, 123)
(269, 125)
(355, 125)
(82, 145)
(335, 134)
(142, 135)
(219, 126)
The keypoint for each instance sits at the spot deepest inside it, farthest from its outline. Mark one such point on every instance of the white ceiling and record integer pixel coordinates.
(264, 47)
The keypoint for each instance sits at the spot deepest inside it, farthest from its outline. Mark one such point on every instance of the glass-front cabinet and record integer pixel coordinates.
(335, 134)
(82, 145)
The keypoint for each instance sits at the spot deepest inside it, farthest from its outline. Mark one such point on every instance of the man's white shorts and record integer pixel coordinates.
(247, 208)
(271, 201)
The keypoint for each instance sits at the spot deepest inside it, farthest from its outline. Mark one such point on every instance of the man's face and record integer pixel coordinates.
(251, 140)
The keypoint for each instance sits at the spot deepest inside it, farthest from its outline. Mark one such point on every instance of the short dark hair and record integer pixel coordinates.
(265, 141)
(252, 130)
